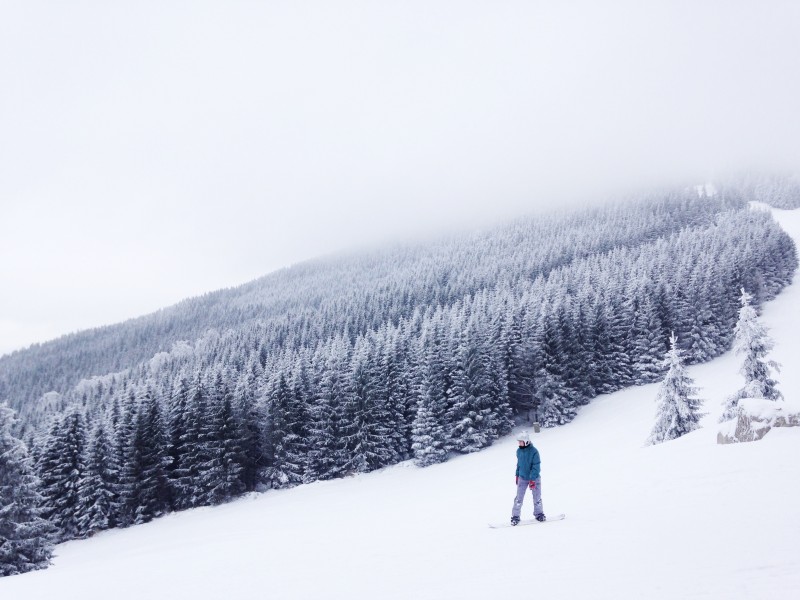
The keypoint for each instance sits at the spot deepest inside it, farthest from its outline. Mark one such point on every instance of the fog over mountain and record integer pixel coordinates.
(154, 152)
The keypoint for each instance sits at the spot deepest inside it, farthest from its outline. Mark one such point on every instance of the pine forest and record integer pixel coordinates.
(353, 362)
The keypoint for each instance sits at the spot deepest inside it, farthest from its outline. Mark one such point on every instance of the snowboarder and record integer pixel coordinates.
(528, 477)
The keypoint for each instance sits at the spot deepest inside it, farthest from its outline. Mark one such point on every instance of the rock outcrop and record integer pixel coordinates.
(754, 419)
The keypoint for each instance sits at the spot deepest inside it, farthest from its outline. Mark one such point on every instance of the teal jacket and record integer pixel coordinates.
(528, 462)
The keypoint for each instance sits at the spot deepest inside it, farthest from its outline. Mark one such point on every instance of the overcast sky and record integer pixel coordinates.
(151, 151)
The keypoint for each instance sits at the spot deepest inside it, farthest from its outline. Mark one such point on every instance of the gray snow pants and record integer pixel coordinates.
(537, 497)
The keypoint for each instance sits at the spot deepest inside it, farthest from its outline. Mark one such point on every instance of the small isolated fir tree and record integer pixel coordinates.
(24, 534)
(751, 339)
(678, 410)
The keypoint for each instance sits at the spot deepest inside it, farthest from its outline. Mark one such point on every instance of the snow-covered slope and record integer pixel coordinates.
(686, 519)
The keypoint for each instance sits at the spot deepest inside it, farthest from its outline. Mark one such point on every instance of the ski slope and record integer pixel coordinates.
(686, 519)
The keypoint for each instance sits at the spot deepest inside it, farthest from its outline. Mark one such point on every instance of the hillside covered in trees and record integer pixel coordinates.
(348, 364)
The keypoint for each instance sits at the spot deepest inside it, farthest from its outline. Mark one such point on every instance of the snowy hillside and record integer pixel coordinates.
(686, 519)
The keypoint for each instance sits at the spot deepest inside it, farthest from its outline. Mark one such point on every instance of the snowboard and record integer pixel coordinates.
(527, 522)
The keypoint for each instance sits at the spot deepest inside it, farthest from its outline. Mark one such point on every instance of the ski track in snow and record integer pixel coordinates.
(685, 519)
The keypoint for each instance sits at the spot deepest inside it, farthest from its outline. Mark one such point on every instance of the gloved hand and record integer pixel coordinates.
(516, 479)
(532, 484)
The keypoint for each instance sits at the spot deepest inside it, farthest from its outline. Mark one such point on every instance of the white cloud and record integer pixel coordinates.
(156, 150)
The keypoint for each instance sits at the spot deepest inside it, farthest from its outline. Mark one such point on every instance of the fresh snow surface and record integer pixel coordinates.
(684, 519)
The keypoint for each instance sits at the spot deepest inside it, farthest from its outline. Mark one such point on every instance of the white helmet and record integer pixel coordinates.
(524, 436)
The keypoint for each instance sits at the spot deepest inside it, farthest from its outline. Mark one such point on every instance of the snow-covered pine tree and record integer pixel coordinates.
(677, 408)
(501, 417)
(412, 381)
(151, 459)
(97, 487)
(469, 416)
(288, 459)
(428, 433)
(124, 502)
(516, 361)
(648, 343)
(349, 413)
(619, 351)
(24, 535)
(513, 363)
(205, 456)
(366, 416)
(251, 416)
(300, 389)
(460, 416)
(176, 429)
(61, 469)
(187, 434)
(556, 402)
(225, 445)
(332, 376)
(601, 377)
(702, 330)
(572, 321)
(752, 341)
(393, 387)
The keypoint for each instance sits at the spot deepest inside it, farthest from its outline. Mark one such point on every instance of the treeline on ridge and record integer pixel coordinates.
(211, 420)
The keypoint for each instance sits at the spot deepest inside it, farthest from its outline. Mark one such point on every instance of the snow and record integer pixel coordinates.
(762, 409)
(761, 413)
(684, 519)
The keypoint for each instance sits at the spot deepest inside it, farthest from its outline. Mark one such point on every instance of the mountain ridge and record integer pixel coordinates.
(56, 365)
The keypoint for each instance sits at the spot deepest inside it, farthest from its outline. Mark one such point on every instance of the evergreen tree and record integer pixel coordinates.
(193, 449)
(619, 351)
(677, 408)
(572, 320)
(62, 469)
(469, 417)
(300, 389)
(176, 429)
(752, 341)
(224, 470)
(556, 403)
(367, 420)
(251, 417)
(124, 501)
(286, 436)
(324, 457)
(601, 377)
(648, 344)
(428, 435)
(395, 378)
(24, 535)
(97, 496)
(517, 363)
(355, 396)
(702, 331)
(459, 415)
(501, 416)
(149, 456)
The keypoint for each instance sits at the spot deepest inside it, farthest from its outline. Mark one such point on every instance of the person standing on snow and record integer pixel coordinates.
(528, 477)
